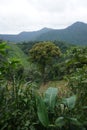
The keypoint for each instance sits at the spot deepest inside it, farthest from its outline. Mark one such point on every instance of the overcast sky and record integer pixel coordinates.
(27, 15)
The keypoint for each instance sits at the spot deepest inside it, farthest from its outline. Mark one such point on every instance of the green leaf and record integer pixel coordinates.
(60, 122)
(75, 122)
(50, 97)
(42, 111)
(3, 45)
(32, 127)
(70, 102)
(84, 107)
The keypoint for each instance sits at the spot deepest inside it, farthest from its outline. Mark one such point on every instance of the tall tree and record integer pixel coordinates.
(43, 55)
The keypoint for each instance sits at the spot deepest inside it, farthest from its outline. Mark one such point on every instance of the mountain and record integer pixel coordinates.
(24, 36)
(75, 34)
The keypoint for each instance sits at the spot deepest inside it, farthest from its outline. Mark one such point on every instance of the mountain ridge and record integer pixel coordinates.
(75, 34)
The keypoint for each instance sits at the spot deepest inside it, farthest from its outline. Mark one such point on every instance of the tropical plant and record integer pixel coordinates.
(57, 114)
(17, 102)
(77, 79)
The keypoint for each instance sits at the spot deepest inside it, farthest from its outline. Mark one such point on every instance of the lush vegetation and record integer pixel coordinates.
(26, 46)
(43, 54)
(24, 107)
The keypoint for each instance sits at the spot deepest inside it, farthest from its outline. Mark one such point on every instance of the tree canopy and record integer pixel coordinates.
(43, 54)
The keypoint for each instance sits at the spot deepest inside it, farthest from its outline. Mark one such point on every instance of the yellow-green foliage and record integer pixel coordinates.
(43, 52)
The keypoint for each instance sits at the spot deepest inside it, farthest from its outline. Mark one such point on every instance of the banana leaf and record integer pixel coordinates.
(50, 97)
(42, 111)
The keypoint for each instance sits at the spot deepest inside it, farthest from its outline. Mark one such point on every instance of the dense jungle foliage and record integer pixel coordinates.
(23, 107)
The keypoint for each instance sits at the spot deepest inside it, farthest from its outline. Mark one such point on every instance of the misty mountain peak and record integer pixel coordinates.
(75, 33)
(77, 25)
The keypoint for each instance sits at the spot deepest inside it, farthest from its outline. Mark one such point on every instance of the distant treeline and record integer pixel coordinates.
(26, 46)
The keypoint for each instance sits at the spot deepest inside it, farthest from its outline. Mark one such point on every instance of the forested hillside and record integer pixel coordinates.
(74, 34)
(26, 46)
(15, 52)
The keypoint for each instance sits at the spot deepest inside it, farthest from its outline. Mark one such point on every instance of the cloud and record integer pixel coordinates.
(25, 15)
(49, 5)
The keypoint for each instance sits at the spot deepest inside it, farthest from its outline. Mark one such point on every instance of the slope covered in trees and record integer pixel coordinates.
(75, 34)
(26, 46)
(15, 52)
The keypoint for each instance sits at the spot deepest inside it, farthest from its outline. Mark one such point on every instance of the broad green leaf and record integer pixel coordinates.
(42, 111)
(70, 102)
(50, 97)
(60, 121)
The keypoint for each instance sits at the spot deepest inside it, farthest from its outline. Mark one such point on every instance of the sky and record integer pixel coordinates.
(30, 15)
